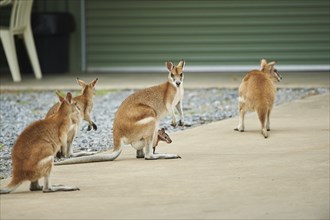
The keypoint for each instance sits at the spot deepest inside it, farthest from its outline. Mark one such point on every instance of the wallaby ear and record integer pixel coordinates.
(169, 65)
(263, 63)
(81, 82)
(163, 129)
(181, 64)
(69, 97)
(60, 97)
(93, 82)
(271, 63)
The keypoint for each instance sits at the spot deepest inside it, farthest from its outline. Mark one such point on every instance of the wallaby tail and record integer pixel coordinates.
(11, 186)
(90, 159)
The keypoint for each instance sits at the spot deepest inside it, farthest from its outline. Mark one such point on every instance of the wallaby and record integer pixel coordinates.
(162, 136)
(35, 148)
(137, 118)
(85, 104)
(257, 93)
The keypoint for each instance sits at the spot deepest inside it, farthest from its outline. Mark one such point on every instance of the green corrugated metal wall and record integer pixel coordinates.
(128, 33)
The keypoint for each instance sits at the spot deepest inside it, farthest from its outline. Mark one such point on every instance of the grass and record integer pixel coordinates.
(105, 91)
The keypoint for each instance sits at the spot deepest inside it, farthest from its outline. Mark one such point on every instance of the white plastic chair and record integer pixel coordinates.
(20, 24)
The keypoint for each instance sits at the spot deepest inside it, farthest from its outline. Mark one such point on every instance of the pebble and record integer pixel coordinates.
(201, 106)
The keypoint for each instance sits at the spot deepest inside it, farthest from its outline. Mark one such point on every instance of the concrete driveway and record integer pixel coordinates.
(223, 174)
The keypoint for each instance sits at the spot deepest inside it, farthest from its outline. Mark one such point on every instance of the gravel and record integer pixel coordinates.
(201, 106)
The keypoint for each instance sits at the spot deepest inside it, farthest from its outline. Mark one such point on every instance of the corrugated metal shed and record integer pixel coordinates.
(209, 35)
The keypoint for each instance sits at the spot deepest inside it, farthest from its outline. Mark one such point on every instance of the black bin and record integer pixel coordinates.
(51, 33)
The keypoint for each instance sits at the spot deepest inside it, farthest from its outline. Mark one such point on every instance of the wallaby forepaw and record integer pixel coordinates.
(59, 155)
(94, 126)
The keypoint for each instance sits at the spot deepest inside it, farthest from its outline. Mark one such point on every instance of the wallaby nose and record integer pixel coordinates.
(178, 83)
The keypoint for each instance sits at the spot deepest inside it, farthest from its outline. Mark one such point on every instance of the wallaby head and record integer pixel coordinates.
(68, 105)
(175, 75)
(163, 136)
(87, 89)
(270, 69)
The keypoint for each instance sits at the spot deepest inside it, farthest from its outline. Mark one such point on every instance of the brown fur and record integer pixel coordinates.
(162, 136)
(35, 148)
(257, 93)
(85, 105)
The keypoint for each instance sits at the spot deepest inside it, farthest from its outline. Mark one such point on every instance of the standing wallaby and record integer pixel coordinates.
(137, 119)
(35, 148)
(257, 93)
(85, 104)
(162, 136)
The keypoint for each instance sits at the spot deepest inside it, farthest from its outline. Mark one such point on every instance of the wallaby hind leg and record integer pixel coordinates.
(268, 121)
(48, 187)
(45, 169)
(262, 114)
(240, 126)
(34, 186)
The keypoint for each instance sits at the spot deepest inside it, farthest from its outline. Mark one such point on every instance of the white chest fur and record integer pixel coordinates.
(178, 96)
